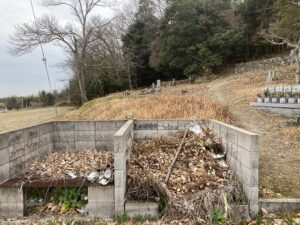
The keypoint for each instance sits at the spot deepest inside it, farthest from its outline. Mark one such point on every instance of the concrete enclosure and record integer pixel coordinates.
(18, 148)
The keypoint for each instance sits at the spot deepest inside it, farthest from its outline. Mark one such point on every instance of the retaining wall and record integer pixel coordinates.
(289, 110)
(267, 64)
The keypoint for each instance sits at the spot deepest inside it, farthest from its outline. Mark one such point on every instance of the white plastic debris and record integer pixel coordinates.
(103, 181)
(108, 173)
(217, 156)
(71, 174)
(223, 164)
(93, 177)
(82, 210)
(196, 129)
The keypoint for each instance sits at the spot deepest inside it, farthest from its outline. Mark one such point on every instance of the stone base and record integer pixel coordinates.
(11, 202)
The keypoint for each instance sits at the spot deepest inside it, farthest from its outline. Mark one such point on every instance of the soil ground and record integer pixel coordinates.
(279, 168)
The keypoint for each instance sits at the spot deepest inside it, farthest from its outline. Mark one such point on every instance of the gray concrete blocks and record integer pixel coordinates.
(11, 202)
(145, 209)
(101, 201)
(280, 205)
(242, 156)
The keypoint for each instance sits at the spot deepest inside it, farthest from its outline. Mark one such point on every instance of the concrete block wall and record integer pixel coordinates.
(101, 201)
(18, 148)
(123, 141)
(11, 202)
(148, 129)
(82, 135)
(242, 156)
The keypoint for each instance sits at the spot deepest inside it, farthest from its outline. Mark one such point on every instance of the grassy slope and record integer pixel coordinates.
(16, 119)
(169, 104)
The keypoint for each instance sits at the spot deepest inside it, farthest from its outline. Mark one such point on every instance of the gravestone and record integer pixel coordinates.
(287, 88)
(279, 89)
(296, 89)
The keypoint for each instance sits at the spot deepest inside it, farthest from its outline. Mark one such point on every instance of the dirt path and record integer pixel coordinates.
(279, 155)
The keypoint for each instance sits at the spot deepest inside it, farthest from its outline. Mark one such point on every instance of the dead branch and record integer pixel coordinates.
(175, 158)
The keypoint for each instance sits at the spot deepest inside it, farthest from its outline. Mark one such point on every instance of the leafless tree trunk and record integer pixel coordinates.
(75, 37)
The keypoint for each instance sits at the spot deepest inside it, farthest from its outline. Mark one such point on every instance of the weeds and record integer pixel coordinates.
(217, 217)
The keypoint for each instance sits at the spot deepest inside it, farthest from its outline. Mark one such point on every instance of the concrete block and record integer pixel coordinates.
(232, 150)
(119, 144)
(248, 141)
(105, 145)
(249, 177)
(247, 158)
(101, 194)
(120, 195)
(119, 124)
(167, 124)
(280, 205)
(84, 126)
(166, 132)
(183, 124)
(252, 194)
(120, 178)
(101, 210)
(46, 128)
(16, 151)
(16, 137)
(232, 135)
(62, 146)
(11, 210)
(86, 136)
(120, 161)
(105, 135)
(4, 172)
(64, 126)
(145, 134)
(32, 132)
(148, 209)
(4, 140)
(16, 166)
(146, 125)
(4, 155)
(64, 136)
(125, 129)
(84, 145)
(105, 125)
(11, 195)
(214, 126)
(119, 209)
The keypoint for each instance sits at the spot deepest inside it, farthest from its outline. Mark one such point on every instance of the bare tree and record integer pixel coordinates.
(75, 37)
(277, 34)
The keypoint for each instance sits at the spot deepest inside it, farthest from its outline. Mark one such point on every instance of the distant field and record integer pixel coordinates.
(17, 119)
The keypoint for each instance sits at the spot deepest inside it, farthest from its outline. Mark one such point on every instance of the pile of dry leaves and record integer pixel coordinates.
(57, 164)
(184, 167)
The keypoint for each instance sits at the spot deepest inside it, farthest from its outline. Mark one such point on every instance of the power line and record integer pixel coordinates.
(44, 57)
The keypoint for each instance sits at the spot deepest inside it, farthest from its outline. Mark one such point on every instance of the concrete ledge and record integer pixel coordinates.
(279, 205)
(289, 110)
(134, 209)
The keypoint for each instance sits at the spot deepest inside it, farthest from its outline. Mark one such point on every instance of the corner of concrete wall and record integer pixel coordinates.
(18, 148)
(123, 141)
(242, 148)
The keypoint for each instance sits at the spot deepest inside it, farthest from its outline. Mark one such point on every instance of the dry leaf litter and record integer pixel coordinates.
(57, 164)
(200, 179)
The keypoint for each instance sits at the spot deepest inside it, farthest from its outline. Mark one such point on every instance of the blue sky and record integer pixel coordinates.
(26, 75)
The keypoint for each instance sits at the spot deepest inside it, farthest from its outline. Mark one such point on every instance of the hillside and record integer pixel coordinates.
(226, 98)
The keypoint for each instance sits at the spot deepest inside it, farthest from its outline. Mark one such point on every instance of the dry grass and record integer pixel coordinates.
(293, 132)
(16, 119)
(244, 87)
(168, 105)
